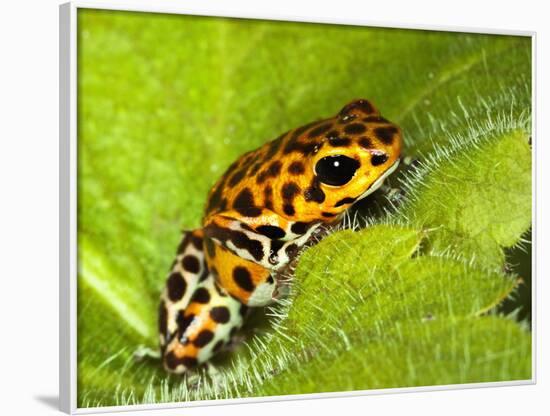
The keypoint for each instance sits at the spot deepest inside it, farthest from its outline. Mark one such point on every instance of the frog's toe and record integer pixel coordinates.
(143, 352)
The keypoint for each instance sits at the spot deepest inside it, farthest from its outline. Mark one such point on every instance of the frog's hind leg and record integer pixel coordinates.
(185, 273)
(204, 327)
(196, 317)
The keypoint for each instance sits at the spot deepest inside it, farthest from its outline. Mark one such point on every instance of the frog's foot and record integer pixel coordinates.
(282, 288)
(216, 376)
(143, 352)
(235, 342)
(212, 371)
(409, 161)
(394, 194)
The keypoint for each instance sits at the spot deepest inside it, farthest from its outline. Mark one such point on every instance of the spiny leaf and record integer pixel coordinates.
(477, 194)
(361, 297)
(427, 353)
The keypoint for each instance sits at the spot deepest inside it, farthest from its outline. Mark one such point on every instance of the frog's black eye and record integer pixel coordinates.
(336, 170)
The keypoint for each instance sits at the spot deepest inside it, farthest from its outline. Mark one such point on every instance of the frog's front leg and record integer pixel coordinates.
(196, 317)
(249, 282)
(249, 256)
(269, 241)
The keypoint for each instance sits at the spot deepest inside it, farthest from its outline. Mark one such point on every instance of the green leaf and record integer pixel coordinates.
(347, 265)
(437, 353)
(475, 195)
(167, 102)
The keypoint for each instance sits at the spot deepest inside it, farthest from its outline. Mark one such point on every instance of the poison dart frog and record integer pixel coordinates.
(260, 214)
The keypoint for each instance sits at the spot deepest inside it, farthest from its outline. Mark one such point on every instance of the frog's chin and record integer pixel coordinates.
(378, 183)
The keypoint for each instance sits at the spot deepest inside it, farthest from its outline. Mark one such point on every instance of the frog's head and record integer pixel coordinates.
(353, 152)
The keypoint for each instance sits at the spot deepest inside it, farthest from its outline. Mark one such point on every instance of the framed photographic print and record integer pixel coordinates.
(256, 208)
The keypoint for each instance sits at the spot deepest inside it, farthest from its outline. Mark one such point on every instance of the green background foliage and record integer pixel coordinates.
(166, 103)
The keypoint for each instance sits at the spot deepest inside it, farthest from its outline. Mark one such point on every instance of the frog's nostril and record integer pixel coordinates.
(378, 158)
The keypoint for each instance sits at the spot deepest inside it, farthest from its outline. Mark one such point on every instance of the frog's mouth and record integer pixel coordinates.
(378, 183)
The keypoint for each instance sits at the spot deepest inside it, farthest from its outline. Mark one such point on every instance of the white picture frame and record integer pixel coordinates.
(68, 203)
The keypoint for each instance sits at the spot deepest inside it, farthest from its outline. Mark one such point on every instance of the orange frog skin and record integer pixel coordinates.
(264, 209)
